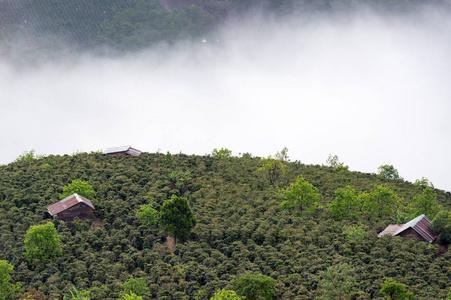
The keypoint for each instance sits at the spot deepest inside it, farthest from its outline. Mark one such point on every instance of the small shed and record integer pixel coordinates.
(123, 150)
(74, 206)
(418, 228)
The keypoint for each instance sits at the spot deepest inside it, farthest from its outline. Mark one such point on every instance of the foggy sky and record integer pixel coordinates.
(372, 90)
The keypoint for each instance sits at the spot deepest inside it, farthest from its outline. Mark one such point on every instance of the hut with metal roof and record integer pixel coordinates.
(74, 206)
(123, 150)
(418, 228)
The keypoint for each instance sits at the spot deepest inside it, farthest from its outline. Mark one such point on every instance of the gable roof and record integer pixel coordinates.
(421, 225)
(67, 203)
(123, 149)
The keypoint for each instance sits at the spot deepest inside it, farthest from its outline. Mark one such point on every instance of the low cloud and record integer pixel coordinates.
(373, 90)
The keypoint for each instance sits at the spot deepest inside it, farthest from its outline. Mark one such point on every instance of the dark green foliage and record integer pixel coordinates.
(337, 282)
(42, 242)
(395, 291)
(176, 218)
(442, 225)
(273, 169)
(255, 286)
(180, 180)
(240, 228)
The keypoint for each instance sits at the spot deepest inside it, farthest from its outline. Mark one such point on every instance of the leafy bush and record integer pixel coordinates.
(255, 286)
(80, 187)
(42, 242)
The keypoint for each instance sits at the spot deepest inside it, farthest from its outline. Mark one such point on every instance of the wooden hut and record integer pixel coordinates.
(123, 150)
(74, 206)
(418, 228)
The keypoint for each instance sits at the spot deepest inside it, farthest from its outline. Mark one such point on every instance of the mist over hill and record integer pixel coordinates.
(368, 84)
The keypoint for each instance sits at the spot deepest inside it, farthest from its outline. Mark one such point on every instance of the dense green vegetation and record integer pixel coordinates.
(241, 228)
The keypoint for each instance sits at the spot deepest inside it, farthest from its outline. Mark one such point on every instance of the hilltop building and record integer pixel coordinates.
(74, 206)
(418, 228)
(123, 150)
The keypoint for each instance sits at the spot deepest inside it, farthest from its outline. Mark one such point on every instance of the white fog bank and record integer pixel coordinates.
(369, 89)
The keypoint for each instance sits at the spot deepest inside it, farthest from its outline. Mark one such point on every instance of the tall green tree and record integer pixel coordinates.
(335, 163)
(137, 286)
(393, 290)
(6, 287)
(29, 156)
(42, 242)
(147, 215)
(223, 152)
(423, 182)
(381, 201)
(176, 217)
(255, 286)
(80, 187)
(273, 169)
(426, 203)
(388, 171)
(346, 204)
(300, 194)
(337, 282)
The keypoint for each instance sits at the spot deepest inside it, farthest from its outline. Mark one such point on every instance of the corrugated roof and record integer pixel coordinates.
(123, 149)
(421, 224)
(390, 229)
(68, 202)
(116, 149)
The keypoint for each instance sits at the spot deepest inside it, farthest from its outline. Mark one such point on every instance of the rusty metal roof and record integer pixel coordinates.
(390, 229)
(123, 149)
(68, 202)
(422, 225)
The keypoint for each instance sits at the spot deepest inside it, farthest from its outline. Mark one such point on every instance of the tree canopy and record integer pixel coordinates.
(388, 171)
(42, 242)
(6, 287)
(176, 218)
(300, 194)
(255, 286)
(80, 187)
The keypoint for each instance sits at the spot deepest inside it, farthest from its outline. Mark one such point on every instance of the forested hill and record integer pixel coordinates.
(31, 30)
(308, 249)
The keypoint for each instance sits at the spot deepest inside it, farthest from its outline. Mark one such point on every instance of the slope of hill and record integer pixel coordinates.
(240, 227)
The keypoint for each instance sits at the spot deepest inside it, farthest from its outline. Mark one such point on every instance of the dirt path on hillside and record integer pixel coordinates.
(170, 241)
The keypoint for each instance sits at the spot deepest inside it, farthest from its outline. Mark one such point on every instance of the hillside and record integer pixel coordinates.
(240, 227)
